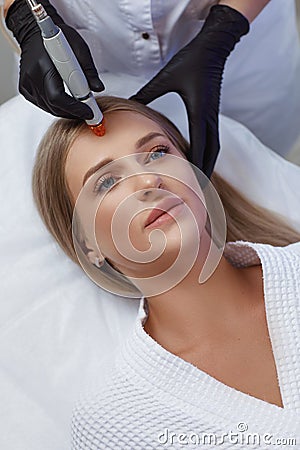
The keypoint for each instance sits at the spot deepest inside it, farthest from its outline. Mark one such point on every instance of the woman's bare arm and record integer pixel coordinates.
(249, 8)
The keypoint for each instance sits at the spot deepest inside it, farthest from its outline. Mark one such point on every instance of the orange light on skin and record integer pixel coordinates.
(98, 130)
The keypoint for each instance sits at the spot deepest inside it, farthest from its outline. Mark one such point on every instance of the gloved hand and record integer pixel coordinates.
(195, 73)
(39, 81)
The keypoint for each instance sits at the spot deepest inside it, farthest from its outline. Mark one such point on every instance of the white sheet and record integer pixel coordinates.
(58, 330)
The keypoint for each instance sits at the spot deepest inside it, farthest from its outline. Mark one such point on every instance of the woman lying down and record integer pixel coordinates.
(208, 362)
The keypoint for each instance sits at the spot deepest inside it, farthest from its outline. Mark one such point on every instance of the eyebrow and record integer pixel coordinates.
(139, 143)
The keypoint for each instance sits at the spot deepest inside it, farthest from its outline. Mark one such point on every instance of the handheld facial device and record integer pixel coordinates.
(67, 65)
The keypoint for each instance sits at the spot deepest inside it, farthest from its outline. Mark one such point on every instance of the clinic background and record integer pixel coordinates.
(9, 79)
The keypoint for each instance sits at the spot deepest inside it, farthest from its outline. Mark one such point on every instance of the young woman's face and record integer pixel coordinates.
(127, 191)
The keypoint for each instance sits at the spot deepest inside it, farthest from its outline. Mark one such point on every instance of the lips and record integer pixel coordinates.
(161, 208)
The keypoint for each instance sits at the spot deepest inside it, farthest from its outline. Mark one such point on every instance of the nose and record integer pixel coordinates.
(146, 185)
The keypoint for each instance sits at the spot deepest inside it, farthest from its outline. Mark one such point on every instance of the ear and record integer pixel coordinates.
(89, 252)
(95, 258)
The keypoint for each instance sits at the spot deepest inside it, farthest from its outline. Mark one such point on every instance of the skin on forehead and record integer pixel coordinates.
(123, 130)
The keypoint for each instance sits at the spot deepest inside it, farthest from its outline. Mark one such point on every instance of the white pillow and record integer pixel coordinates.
(259, 173)
(58, 330)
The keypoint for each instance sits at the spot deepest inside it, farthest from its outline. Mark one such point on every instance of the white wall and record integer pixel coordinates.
(8, 75)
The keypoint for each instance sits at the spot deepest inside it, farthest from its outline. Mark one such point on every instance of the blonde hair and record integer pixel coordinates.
(245, 220)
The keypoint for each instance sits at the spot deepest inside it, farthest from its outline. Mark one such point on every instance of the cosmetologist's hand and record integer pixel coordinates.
(39, 81)
(195, 73)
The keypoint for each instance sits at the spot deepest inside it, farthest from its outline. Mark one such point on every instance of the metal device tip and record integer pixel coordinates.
(98, 130)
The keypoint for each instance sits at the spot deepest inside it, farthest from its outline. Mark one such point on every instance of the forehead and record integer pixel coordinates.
(123, 129)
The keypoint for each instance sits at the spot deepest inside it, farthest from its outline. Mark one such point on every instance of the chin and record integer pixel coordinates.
(177, 241)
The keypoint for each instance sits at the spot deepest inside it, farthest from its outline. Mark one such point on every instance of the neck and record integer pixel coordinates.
(191, 313)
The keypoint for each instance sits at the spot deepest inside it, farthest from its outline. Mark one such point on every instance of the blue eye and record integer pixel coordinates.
(105, 182)
(161, 151)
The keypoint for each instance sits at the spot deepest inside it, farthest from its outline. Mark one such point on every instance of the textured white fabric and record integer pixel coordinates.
(149, 389)
(261, 86)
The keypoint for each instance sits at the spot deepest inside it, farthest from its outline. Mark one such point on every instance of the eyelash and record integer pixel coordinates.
(100, 182)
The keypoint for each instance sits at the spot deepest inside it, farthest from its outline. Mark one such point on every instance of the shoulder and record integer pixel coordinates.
(245, 253)
(282, 262)
(281, 265)
(288, 256)
(114, 416)
(293, 249)
(124, 412)
(281, 269)
(99, 416)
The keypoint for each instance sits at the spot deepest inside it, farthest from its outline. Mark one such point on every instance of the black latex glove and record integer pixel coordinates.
(195, 73)
(39, 81)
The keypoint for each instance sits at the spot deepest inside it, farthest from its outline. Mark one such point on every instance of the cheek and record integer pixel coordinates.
(119, 231)
(198, 209)
(118, 227)
(103, 227)
(193, 197)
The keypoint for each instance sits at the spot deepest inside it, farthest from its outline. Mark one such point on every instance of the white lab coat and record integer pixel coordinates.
(261, 87)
